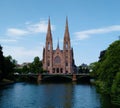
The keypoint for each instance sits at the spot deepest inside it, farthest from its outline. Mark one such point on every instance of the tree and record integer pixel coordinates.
(83, 68)
(9, 65)
(25, 69)
(1, 63)
(116, 89)
(36, 66)
(93, 67)
(107, 70)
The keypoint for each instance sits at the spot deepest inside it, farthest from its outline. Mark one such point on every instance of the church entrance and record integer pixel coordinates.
(57, 70)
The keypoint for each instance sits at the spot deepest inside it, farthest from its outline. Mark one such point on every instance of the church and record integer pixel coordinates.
(58, 61)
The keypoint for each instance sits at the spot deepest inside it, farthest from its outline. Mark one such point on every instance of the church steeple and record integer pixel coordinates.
(66, 36)
(49, 34)
(49, 37)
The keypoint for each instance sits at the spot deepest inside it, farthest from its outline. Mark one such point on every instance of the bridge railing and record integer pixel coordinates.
(35, 74)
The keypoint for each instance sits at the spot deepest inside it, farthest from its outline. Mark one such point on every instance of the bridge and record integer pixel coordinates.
(47, 76)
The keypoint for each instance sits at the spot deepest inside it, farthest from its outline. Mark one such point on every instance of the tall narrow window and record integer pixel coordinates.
(48, 46)
(57, 70)
(66, 63)
(66, 45)
(61, 70)
(48, 63)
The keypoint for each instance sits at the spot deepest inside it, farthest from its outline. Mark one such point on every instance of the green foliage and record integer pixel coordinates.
(83, 68)
(34, 67)
(107, 71)
(37, 64)
(25, 69)
(93, 67)
(9, 65)
(1, 63)
(116, 89)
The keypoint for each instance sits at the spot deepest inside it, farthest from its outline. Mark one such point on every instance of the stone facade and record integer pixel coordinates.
(58, 61)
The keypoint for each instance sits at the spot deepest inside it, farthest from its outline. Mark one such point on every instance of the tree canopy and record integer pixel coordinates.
(107, 71)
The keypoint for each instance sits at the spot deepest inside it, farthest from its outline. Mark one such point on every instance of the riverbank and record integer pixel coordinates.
(6, 82)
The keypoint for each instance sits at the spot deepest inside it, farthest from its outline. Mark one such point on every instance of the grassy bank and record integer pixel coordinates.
(6, 82)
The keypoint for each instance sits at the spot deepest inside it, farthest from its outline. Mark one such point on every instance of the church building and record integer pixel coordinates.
(58, 61)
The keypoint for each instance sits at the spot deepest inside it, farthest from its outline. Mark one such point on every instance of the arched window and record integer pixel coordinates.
(48, 63)
(61, 70)
(48, 46)
(57, 59)
(66, 45)
(66, 63)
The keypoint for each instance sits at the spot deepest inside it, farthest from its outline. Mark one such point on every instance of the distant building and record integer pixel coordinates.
(20, 66)
(58, 61)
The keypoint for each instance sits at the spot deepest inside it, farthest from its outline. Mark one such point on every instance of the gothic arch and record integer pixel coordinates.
(48, 46)
(57, 60)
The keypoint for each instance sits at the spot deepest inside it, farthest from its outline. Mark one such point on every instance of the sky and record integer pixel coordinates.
(93, 26)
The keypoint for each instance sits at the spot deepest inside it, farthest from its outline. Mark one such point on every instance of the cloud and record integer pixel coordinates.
(87, 33)
(16, 32)
(22, 54)
(7, 40)
(40, 27)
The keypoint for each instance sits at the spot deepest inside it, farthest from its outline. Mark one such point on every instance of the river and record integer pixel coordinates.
(49, 95)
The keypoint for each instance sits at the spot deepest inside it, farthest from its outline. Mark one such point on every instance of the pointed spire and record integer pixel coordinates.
(66, 23)
(49, 26)
(58, 44)
(66, 35)
(49, 29)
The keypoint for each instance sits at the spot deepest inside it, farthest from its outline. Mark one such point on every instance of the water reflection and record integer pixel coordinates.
(49, 95)
(58, 96)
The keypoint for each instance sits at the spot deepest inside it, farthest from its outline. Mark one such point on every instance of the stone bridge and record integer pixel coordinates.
(45, 76)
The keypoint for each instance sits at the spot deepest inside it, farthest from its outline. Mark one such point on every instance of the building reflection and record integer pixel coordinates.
(58, 96)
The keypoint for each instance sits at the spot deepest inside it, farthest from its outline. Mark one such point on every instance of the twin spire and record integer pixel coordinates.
(66, 34)
(49, 34)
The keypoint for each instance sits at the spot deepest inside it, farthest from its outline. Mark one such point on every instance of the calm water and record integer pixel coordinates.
(64, 95)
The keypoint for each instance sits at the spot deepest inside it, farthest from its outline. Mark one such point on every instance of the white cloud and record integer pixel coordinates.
(16, 32)
(87, 33)
(8, 40)
(40, 27)
(22, 54)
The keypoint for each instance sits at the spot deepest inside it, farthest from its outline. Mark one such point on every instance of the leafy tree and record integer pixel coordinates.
(25, 69)
(1, 63)
(37, 65)
(31, 67)
(9, 65)
(116, 89)
(80, 69)
(107, 71)
(83, 68)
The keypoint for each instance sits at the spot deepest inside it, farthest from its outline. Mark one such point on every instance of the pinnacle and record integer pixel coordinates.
(49, 34)
(66, 35)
